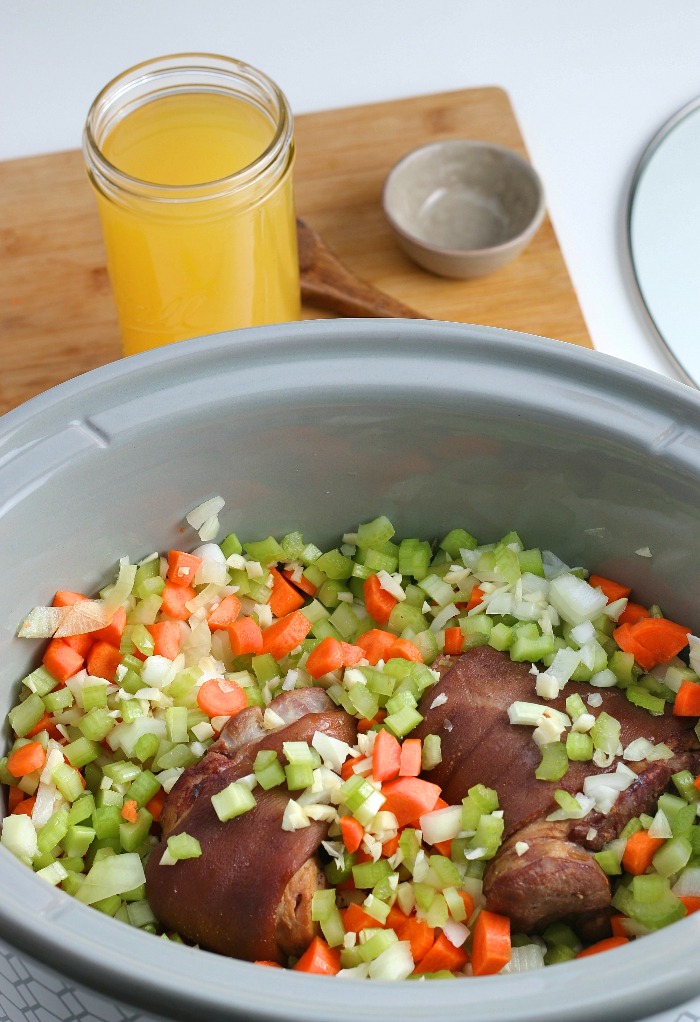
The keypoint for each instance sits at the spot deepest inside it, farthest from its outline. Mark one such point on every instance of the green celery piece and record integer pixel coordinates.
(456, 540)
(266, 551)
(375, 533)
(554, 762)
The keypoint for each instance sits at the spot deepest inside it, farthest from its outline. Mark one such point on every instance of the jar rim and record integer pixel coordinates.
(105, 173)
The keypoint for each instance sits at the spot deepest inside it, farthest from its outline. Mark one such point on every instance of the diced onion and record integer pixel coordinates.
(394, 963)
(42, 622)
(660, 827)
(332, 751)
(576, 600)
(114, 875)
(524, 958)
(19, 836)
(441, 824)
(204, 512)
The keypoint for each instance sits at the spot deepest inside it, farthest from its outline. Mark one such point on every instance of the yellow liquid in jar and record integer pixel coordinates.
(189, 268)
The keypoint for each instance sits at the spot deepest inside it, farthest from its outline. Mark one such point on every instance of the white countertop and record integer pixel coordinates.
(590, 83)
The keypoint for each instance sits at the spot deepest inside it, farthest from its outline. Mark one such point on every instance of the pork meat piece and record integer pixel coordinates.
(556, 877)
(249, 893)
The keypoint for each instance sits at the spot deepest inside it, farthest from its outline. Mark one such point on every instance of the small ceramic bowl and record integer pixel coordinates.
(463, 208)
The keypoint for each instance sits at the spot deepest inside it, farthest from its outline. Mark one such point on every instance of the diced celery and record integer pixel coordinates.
(608, 862)
(96, 724)
(265, 667)
(121, 772)
(558, 953)
(53, 831)
(81, 751)
(445, 870)
(560, 934)
(106, 821)
(489, 832)
(325, 911)
(439, 591)
(363, 701)
(143, 788)
(379, 560)
(554, 762)
(671, 805)
(327, 594)
(59, 700)
(431, 754)
(682, 822)
(367, 875)
(184, 846)
(529, 643)
(377, 945)
(77, 840)
(456, 540)
(672, 856)
(232, 801)
(507, 563)
(404, 616)
(266, 551)
(403, 722)
(68, 781)
(606, 733)
(375, 533)
(427, 644)
(82, 809)
(640, 696)
(268, 770)
(410, 846)
(26, 715)
(334, 565)
(414, 558)
(579, 746)
(485, 799)
(299, 776)
(132, 835)
(40, 681)
(438, 913)
(344, 620)
(685, 785)
(142, 639)
(501, 636)
(531, 562)
(146, 747)
(176, 723)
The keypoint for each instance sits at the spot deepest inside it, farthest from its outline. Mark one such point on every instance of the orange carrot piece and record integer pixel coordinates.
(416, 931)
(624, 637)
(26, 759)
(166, 638)
(286, 634)
(442, 955)
(444, 848)
(319, 958)
(174, 599)
(62, 660)
(386, 756)
(612, 590)
(155, 805)
(301, 582)
(220, 697)
(225, 613)
(364, 724)
(390, 847)
(15, 795)
(352, 831)
(245, 636)
(182, 567)
(267, 964)
(454, 641)
(404, 649)
(66, 598)
(687, 701)
(476, 597)
(376, 644)
(491, 947)
(408, 798)
(603, 945)
(468, 902)
(130, 810)
(324, 658)
(82, 644)
(639, 851)
(411, 752)
(112, 632)
(284, 597)
(25, 807)
(663, 638)
(617, 925)
(632, 613)
(103, 660)
(355, 919)
(346, 770)
(691, 902)
(351, 654)
(378, 602)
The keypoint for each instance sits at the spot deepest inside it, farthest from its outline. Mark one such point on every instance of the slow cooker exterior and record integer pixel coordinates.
(318, 426)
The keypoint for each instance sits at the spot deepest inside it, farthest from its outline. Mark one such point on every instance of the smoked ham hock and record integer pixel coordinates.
(552, 874)
(249, 894)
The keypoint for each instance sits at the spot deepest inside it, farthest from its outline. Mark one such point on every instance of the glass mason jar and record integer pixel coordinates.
(191, 159)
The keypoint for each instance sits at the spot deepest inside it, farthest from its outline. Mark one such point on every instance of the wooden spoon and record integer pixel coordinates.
(328, 284)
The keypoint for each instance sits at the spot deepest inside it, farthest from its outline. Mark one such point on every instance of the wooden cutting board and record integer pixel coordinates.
(56, 313)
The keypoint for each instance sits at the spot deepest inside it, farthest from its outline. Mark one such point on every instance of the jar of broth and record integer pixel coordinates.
(191, 158)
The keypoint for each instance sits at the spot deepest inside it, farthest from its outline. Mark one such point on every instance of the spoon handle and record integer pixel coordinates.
(328, 284)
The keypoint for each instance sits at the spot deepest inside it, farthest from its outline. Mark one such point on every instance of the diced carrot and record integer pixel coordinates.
(351, 654)
(174, 599)
(268, 965)
(440, 804)
(112, 632)
(386, 756)
(476, 597)
(625, 639)
(468, 902)
(26, 759)
(408, 798)
(319, 958)
(25, 807)
(286, 634)
(301, 582)
(103, 660)
(442, 955)
(454, 641)
(663, 638)
(612, 590)
(404, 649)
(390, 847)
(166, 638)
(324, 658)
(378, 602)
(15, 795)
(355, 919)
(61, 660)
(82, 644)
(603, 945)
(225, 613)
(284, 597)
(245, 636)
(617, 925)
(639, 851)
(687, 701)
(632, 613)
(46, 724)
(691, 902)
(352, 831)
(364, 724)
(66, 598)
(130, 810)
(443, 848)
(182, 567)
(420, 936)
(346, 770)
(411, 752)
(491, 947)
(220, 697)
(155, 805)
(376, 644)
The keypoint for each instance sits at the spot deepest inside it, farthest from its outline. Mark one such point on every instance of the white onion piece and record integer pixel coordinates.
(660, 827)
(204, 512)
(441, 824)
(522, 959)
(42, 622)
(19, 836)
(394, 963)
(688, 883)
(576, 600)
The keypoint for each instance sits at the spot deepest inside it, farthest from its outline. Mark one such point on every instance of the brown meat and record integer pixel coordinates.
(479, 745)
(249, 894)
